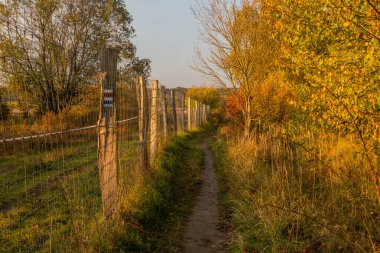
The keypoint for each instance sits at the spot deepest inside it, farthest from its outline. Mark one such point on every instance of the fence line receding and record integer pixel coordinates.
(60, 171)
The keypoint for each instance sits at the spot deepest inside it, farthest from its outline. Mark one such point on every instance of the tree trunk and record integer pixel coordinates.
(248, 117)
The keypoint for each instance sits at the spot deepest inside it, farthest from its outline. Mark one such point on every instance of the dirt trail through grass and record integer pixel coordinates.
(202, 234)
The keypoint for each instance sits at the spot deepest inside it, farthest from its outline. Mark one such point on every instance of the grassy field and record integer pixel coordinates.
(50, 188)
(306, 194)
(53, 192)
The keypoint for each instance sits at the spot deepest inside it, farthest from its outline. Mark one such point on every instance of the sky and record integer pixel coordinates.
(166, 33)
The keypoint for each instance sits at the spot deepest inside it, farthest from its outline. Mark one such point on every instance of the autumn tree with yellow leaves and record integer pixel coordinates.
(322, 56)
(334, 54)
(311, 182)
(208, 95)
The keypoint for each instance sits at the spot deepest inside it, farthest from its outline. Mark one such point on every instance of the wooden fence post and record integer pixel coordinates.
(196, 115)
(107, 132)
(154, 120)
(199, 114)
(164, 111)
(143, 121)
(204, 113)
(189, 113)
(183, 112)
(174, 109)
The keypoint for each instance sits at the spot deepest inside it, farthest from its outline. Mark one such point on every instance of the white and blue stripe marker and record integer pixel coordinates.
(108, 98)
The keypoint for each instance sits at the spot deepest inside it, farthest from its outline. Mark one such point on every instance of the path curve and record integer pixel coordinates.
(202, 234)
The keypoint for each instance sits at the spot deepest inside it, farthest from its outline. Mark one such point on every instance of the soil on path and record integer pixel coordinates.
(202, 234)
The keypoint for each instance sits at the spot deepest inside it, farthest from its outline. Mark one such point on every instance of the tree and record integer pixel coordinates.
(242, 52)
(135, 68)
(206, 95)
(51, 48)
(333, 46)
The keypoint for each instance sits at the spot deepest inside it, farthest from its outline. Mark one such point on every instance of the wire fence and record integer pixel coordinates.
(53, 166)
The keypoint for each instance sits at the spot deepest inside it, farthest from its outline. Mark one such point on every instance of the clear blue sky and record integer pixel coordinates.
(166, 33)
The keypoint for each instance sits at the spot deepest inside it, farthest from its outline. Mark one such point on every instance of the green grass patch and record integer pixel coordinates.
(55, 194)
(155, 204)
(156, 211)
(60, 209)
(218, 148)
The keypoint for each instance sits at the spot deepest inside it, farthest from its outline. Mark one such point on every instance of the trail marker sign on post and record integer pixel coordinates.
(108, 98)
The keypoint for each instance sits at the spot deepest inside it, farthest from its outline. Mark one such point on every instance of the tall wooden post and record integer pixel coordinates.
(204, 113)
(143, 122)
(107, 132)
(196, 114)
(189, 114)
(174, 109)
(154, 120)
(183, 112)
(164, 111)
(199, 114)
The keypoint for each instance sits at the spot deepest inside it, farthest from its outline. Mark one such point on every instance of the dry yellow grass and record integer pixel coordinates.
(305, 193)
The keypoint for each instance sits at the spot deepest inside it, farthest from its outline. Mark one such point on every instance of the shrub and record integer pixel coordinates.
(273, 100)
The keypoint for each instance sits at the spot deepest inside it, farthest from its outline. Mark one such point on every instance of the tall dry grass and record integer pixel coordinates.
(307, 193)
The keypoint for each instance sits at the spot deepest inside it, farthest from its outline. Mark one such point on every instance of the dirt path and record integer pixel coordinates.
(202, 234)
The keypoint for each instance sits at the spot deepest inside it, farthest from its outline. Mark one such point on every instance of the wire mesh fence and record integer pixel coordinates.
(52, 182)
(48, 173)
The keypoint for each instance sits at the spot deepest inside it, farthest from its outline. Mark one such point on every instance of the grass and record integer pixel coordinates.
(308, 193)
(155, 209)
(38, 209)
(50, 189)
(54, 194)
